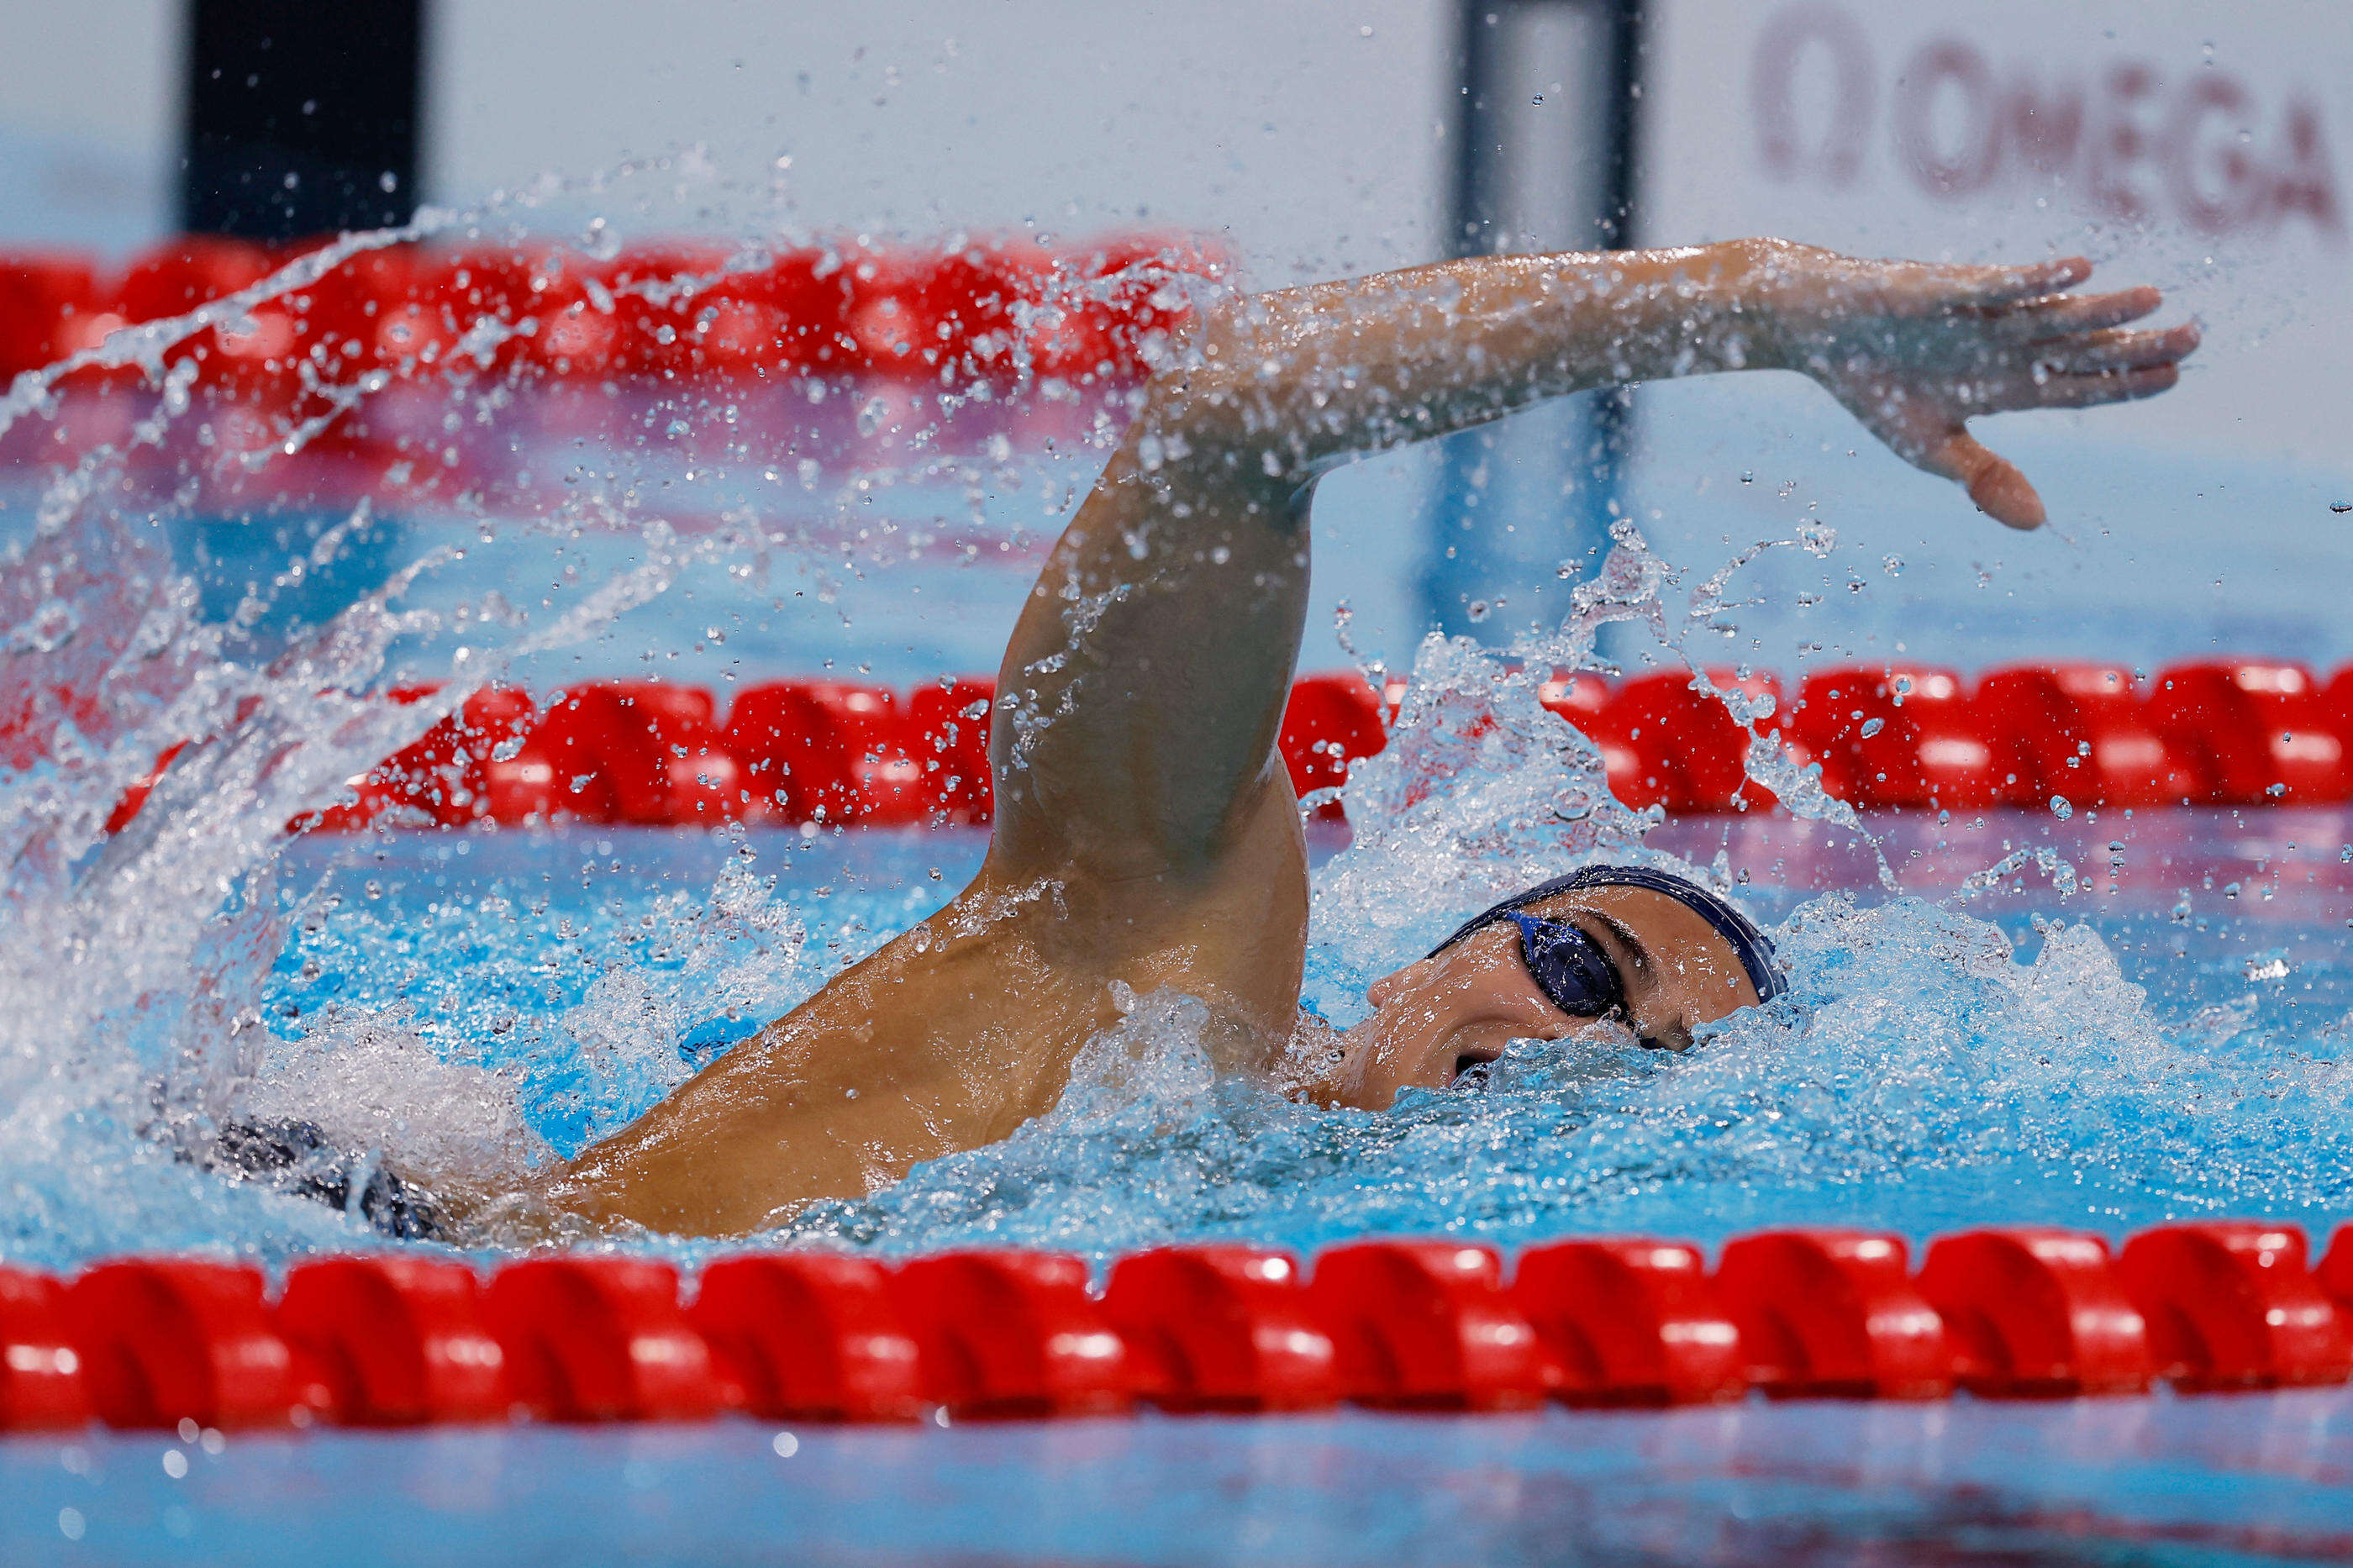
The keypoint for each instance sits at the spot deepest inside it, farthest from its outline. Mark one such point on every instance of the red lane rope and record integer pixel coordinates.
(392, 1341)
(2231, 733)
(662, 312)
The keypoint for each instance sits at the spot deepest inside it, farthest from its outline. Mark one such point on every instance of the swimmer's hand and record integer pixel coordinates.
(1914, 348)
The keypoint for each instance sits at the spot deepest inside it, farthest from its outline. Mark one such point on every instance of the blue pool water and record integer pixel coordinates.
(1944, 1062)
(2165, 1039)
(2148, 1048)
(2206, 1481)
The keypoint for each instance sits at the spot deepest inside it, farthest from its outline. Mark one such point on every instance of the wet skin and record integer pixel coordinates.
(1437, 1018)
(1147, 836)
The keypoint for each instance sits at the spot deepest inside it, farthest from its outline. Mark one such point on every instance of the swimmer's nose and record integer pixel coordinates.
(1381, 990)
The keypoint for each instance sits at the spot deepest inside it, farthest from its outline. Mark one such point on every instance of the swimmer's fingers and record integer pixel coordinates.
(1923, 288)
(2112, 350)
(1992, 480)
(2064, 315)
(2085, 391)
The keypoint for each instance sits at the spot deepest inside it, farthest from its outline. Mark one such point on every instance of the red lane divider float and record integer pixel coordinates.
(601, 1338)
(162, 1341)
(843, 753)
(2235, 1306)
(810, 1336)
(1428, 1325)
(42, 1383)
(1833, 1314)
(1221, 1328)
(2036, 1313)
(1630, 1322)
(1013, 1334)
(660, 311)
(394, 1340)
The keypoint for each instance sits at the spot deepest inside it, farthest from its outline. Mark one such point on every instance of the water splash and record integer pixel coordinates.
(195, 965)
(143, 969)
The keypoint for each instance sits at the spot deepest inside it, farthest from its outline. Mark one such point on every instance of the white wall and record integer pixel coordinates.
(1308, 133)
(2212, 158)
(90, 121)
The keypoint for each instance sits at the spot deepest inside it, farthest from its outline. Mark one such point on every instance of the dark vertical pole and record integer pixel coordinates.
(302, 116)
(1476, 195)
(1624, 124)
(1464, 564)
(1613, 418)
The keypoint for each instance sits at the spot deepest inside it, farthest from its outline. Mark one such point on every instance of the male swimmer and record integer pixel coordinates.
(1146, 833)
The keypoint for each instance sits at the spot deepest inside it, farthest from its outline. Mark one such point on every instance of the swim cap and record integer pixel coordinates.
(1735, 928)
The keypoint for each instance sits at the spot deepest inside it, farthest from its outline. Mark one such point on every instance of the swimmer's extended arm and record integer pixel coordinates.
(1141, 689)
(1299, 379)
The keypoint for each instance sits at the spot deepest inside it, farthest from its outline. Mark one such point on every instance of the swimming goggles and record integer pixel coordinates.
(1569, 968)
(1748, 943)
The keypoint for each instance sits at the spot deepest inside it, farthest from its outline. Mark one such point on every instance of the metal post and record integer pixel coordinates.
(301, 121)
(1544, 159)
(302, 116)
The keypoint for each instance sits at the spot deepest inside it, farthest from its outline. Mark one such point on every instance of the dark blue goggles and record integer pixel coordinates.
(1755, 953)
(1569, 968)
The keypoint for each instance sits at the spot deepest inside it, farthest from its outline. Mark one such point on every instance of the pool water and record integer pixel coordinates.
(2105, 1061)
(2169, 1040)
(2206, 1481)
(2012, 1018)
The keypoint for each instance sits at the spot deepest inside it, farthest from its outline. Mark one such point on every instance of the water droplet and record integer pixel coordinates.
(1892, 564)
(2060, 808)
(1479, 609)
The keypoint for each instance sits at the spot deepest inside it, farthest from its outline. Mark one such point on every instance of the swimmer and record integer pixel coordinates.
(1146, 833)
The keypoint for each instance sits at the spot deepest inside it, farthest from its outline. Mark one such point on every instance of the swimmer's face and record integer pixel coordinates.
(1433, 1019)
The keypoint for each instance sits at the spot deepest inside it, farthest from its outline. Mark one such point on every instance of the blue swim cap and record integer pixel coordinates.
(1755, 953)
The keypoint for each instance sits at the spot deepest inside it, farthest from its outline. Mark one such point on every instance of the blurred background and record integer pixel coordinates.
(2200, 147)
